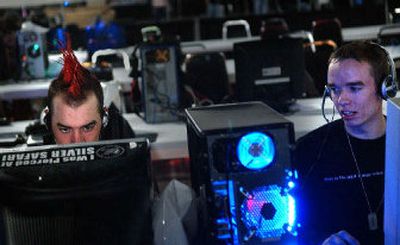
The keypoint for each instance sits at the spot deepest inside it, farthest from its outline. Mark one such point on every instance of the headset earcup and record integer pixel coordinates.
(45, 118)
(47, 121)
(105, 119)
(388, 88)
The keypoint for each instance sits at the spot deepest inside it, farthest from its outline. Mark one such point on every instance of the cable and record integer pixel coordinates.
(162, 99)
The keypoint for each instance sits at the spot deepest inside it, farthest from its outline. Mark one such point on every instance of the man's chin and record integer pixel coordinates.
(351, 123)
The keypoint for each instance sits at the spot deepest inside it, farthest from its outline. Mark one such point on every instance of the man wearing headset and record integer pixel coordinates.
(75, 110)
(341, 164)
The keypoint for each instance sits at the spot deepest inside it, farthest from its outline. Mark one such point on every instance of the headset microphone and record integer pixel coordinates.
(327, 92)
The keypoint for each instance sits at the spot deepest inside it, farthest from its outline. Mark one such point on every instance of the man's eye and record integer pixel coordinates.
(355, 88)
(334, 90)
(64, 130)
(89, 127)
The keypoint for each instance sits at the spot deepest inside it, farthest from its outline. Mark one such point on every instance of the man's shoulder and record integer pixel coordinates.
(328, 133)
(322, 132)
(310, 147)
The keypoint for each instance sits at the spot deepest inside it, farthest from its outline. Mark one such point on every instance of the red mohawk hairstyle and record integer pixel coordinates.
(73, 73)
(74, 82)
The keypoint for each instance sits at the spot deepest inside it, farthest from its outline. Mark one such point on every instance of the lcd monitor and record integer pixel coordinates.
(270, 70)
(87, 193)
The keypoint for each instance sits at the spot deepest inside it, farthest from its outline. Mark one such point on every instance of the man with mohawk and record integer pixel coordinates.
(76, 111)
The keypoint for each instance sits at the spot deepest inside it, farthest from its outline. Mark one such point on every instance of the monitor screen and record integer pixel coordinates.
(88, 193)
(270, 70)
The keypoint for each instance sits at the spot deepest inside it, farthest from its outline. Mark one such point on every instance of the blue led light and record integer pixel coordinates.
(255, 150)
(219, 182)
(269, 214)
(221, 192)
(36, 47)
(296, 175)
(224, 236)
(291, 210)
(66, 3)
(222, 221)
(232, 209)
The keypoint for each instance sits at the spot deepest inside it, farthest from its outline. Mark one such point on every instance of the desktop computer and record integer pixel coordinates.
(160, 81)
(33, 51)
(240, 163)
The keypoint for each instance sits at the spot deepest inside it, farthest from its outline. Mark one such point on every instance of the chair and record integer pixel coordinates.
(236, 28)
(328, 29)
(328, 36)
(274, 28)
(111, 52)
(317, 61)
(307, 37)
(77, 36)
(151, 34)
(311, 53)
(207, 76)
(389, 35)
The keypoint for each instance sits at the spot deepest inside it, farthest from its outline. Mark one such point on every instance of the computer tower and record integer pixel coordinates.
(240, 160)
(160, 81)
(33, 51)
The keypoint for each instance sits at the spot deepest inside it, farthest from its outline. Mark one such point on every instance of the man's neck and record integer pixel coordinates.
(371, 130)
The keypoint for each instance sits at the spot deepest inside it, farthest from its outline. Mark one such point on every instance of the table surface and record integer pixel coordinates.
(172, 139)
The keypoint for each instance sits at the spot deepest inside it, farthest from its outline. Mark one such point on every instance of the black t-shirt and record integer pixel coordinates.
(331, 196)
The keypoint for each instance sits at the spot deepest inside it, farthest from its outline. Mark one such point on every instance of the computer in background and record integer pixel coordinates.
(160, 81)
(270, 70)
(89, 193)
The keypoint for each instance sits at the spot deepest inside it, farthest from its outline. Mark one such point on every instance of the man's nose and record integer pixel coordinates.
(344, 97)
(76, 137)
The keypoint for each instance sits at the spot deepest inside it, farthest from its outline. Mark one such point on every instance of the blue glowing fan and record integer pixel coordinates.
(267, 212)
(255, 150)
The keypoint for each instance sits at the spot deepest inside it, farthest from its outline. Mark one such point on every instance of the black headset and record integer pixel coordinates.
(387, 87)
(46, 117)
